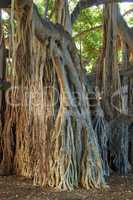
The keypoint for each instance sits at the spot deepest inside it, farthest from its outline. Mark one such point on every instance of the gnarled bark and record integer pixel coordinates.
(55, 143)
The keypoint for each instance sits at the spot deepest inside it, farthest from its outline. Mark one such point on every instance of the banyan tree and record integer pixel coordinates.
(47, 132)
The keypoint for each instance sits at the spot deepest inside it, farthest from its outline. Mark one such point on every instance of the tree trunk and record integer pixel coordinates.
(62, 15)
(2, 77)
(115, 89)
(50, 128)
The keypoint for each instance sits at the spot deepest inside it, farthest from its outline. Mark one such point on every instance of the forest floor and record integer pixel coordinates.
(19, 188)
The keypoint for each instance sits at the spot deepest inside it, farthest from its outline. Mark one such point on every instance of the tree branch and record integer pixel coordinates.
(45, 30)
(81, 34)
(128, 12)
(82, 4)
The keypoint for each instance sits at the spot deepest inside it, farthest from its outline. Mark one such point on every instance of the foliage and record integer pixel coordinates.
(41, 6)
(88, 40)
(91, 40)
(125, 7)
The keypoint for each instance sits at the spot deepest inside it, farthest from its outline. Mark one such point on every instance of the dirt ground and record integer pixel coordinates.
(19, 188)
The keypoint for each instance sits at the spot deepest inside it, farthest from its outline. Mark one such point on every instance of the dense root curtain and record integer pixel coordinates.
(51, 129)
(116, 95)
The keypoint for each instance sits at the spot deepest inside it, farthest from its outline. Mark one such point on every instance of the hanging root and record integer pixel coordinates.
(102, 131)
(75, 141)
(118, 144)
(55, 141)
